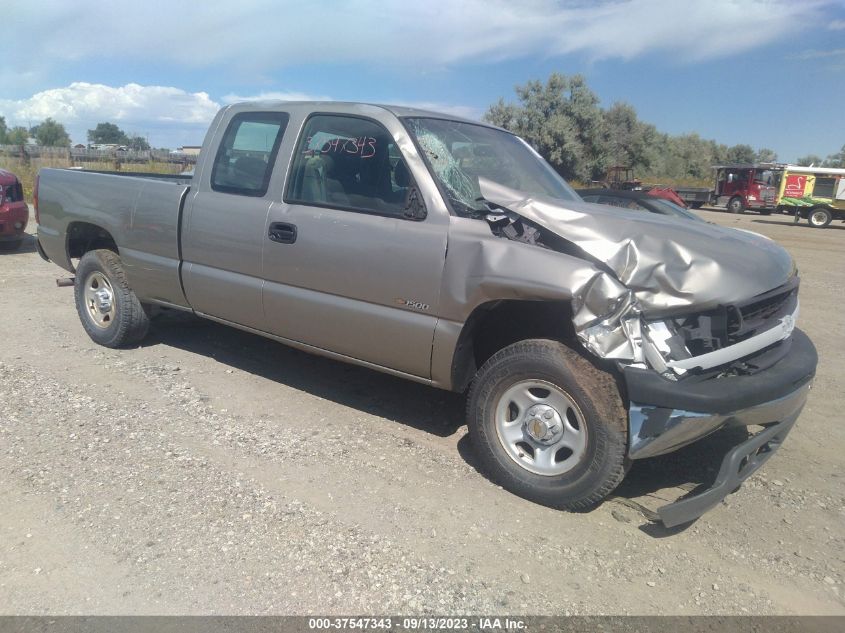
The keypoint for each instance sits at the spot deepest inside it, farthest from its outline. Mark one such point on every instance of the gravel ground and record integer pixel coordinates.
(211, 471)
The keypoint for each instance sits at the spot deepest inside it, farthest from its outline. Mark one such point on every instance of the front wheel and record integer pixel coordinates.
(548, 425)
(819, 217)
(108, 309)
(735, 205)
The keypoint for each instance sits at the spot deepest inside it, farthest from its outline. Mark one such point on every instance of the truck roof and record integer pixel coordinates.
(356, 107)
(750, 166)
(833, 171)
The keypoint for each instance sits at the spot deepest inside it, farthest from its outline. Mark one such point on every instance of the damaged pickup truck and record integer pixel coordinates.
(448, 252)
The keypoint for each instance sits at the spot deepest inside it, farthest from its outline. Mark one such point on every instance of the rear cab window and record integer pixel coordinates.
(244, 161)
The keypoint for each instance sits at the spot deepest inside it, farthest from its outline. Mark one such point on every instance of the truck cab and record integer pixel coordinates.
(742, 187)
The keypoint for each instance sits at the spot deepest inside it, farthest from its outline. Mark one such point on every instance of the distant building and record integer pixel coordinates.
(190, 150)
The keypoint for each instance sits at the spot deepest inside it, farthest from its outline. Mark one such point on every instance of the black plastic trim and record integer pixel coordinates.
(40, 250)
(729, 393)
(738, 465)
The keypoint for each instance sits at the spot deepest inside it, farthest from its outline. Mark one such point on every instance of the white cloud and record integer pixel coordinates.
(154, 110)
(837, 25)
(81, 101)
(169, 116)
(253, 37)
(816, 54)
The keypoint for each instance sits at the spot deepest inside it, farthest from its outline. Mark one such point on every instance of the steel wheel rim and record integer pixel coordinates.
(541, 428)
(819, 217)
(99, 299)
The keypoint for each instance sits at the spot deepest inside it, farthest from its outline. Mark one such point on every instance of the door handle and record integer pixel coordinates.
(282, 232)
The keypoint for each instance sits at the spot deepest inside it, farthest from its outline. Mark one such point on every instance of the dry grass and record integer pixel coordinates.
(26, 171)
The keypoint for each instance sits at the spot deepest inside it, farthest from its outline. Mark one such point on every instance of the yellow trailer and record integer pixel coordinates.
(816, 194)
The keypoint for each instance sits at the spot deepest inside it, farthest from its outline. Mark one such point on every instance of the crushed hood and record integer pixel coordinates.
(670, 264)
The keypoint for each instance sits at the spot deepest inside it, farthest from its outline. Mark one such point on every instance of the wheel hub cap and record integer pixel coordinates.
(99, 299)
(543, 424)
(541, 427)
(103, 300)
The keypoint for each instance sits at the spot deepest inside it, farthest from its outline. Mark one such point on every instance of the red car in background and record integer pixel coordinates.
(14, 214)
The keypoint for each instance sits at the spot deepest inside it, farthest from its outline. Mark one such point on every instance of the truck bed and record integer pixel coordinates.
(139, 211)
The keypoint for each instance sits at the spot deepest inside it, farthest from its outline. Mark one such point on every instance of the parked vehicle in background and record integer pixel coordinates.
(621, 178)
(694, 197)
(448, 252)
(14, 214)
(816, 194)
(745, 187)
(638, 200)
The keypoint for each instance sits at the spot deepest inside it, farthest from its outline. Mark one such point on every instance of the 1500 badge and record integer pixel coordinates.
(410, 303)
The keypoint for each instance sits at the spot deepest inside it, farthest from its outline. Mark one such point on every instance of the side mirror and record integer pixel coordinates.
(414, 205)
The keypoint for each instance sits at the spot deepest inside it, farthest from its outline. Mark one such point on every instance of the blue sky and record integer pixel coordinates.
(770, 73)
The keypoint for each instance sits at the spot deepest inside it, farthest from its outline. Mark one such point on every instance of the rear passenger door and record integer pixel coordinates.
(347, 268)
(224, 219)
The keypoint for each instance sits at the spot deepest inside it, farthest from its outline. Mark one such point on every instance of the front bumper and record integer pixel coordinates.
(665, 415)
(738, 465)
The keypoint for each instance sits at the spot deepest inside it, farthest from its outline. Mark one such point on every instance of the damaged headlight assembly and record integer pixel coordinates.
(608, 320)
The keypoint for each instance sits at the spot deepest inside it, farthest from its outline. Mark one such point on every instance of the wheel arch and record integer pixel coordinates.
(494, 325)
(83, 237)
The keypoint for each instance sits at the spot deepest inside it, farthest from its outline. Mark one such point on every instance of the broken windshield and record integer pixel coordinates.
(459, 153)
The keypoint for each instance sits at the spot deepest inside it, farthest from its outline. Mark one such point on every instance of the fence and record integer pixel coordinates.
(83, 155)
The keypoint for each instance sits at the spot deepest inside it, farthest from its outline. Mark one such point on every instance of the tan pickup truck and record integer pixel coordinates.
(448, 252)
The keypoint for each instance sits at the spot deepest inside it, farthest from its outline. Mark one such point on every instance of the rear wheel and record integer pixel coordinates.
(108, 309)
(819, 217)
(547, 425)
(735, 205)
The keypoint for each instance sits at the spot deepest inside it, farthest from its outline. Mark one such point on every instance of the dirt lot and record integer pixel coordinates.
(211, 471)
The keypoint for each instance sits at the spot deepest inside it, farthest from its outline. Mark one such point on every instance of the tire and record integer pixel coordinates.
(594, 424)
(108, 309)
(11, 246)
(735, 205)
(819, 217)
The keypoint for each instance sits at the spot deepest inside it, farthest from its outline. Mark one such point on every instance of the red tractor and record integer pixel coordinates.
(622, 177)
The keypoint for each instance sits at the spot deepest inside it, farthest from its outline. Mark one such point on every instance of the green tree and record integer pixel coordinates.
(3, 130)
(18, 135)
(766, 155)
(107, 133)
(740, 154)
(561, 119)
(810, 159)
(50, 133)
(837, 159)
(138, 143)
(626, 138)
